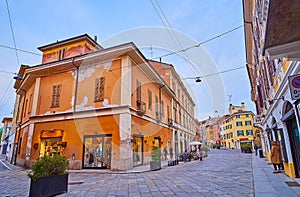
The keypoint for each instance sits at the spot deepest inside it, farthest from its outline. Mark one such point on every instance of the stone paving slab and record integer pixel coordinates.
(223, 173)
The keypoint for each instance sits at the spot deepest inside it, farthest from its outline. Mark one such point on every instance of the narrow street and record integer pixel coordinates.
(223, 173)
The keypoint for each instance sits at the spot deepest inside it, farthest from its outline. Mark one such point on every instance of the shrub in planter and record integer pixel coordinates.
(49, 176)
(155, 163)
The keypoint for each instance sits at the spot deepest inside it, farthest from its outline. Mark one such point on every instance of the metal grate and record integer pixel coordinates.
(75, 183)
(292, 183)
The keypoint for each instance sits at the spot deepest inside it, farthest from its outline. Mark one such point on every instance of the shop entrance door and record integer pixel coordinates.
(97, 151)
(137, 150)
(295, 143)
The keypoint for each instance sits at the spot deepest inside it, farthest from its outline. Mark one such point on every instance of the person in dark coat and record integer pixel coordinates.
(165, 152)
(171, 152)
(255, 148)
(276, 156)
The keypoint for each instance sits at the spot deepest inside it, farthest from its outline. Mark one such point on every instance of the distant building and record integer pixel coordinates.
(6, 142)
(238, 128)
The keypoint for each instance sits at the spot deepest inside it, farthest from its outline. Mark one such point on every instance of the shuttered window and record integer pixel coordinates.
(99, 89)
(55, 95)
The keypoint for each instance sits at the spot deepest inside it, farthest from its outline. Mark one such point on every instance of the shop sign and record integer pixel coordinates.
(51, 133)
(294, 83)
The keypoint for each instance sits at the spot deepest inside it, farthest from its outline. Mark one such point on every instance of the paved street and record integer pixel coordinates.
(223, 173)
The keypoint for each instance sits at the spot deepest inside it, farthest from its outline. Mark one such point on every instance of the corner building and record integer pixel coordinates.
(102, 108)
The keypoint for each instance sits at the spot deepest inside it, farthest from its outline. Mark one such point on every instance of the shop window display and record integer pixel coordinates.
(97, 151)
(51, 146)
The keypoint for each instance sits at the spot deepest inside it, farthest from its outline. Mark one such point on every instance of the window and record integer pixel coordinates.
(55, 95)
(61, 54)
(248, 122)
(247, 115)
(239, 124)
(249, 132)
(30, 104)
(99, 89)
(168, 111)
(19, 147)
(156, 105)
(162, 109)
(240, 132)
(238, 116)
(149, 99)
(138, 91)
(25, 107)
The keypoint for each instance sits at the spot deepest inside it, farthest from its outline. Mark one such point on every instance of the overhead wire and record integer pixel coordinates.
(208, 75)
(199, 44)
(12, 32)
(171, 33)
(21, 50)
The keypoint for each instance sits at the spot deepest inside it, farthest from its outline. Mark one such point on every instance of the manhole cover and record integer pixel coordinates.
(292, 183)
(75, 183)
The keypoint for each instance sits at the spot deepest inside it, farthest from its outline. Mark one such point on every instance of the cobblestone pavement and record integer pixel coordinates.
(223, 173)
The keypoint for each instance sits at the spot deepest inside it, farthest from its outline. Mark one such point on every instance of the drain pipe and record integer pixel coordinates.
(76, 84)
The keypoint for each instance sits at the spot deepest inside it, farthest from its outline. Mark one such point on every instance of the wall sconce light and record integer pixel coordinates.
(36, 145)
(271, 101)
(18, 77)
(161, 142)
(145, 141)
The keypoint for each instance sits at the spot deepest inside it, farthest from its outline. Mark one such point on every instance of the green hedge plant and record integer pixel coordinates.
(155, 154)
(49, 166)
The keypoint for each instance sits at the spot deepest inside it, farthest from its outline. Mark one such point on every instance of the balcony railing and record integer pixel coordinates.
(141, 108)
(170, 122)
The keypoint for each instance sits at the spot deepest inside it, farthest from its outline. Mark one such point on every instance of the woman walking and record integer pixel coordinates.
(276, 156)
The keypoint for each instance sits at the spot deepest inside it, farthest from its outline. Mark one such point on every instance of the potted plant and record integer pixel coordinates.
(49, 176)
(155, 163)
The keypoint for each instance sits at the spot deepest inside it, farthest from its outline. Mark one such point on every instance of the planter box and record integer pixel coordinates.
(155, 165)
(49, 186)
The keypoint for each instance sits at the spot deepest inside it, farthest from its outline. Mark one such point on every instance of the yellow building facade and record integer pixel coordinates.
(238, 129)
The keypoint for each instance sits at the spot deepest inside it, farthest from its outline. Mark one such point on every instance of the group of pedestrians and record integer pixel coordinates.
(165, 153)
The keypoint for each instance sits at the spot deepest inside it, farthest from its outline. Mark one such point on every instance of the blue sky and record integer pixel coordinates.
(36, 23)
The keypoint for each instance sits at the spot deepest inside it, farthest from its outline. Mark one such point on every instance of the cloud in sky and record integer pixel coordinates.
(37, 23)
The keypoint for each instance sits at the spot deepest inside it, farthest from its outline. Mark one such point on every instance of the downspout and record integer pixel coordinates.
(76, 85)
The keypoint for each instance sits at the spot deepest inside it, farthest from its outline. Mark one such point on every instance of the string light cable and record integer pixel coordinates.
(199, 44)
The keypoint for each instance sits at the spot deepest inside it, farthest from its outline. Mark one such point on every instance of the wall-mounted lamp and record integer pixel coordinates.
(36, 145)
(145, 141)
(271, 101)
(18, 77)
(197, 80)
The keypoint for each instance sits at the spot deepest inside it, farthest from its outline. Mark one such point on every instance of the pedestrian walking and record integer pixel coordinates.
(255, 148)
(165, 152)
(276, 156)
(171, 152)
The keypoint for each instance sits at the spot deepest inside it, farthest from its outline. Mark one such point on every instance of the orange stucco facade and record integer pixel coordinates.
(101, 108)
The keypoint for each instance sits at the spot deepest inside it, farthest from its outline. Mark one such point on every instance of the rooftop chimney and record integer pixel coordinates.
(95, 38)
